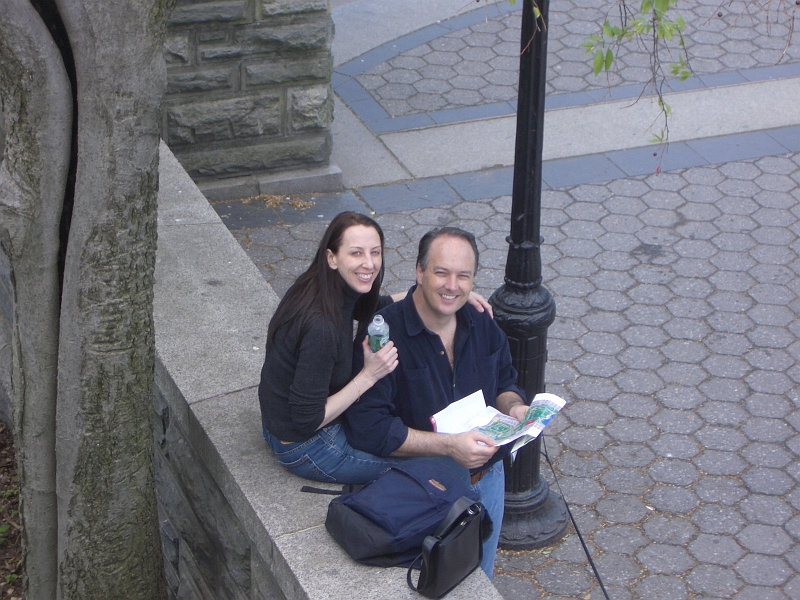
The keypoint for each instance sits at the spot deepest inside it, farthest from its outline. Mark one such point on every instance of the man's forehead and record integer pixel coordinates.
(446, 248)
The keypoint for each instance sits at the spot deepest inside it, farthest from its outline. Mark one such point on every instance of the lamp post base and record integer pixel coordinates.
(533, 519)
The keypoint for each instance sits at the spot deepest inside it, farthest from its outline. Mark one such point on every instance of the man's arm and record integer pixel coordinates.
(470, 449)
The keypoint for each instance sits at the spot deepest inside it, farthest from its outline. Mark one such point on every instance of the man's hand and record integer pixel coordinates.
(471, 449)
(512, 405)
(518, 411)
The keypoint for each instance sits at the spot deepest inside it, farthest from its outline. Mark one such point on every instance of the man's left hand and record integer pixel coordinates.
(518, 411)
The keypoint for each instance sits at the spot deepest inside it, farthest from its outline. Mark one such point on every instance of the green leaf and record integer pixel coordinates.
(599, 59)
(609, 59)
(607, 30)
(647, 7)
(662, 6)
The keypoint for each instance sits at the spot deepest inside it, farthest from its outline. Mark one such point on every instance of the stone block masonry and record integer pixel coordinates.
(248, 91)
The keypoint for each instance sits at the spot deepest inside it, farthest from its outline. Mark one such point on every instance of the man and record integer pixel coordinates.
(446, 350)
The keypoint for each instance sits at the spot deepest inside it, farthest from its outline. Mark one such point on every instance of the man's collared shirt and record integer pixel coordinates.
(424, 383)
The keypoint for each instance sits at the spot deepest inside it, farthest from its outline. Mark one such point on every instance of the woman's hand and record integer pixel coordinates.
(377, 364)
(480, 303)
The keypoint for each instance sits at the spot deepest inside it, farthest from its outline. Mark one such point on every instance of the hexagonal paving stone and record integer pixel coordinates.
(565, 580)
(662, 586)
(665, 559)
(720, 490)
(713, 581)
(668, 529)
(669, 499)
(626, 481)
(758, 569)
(767, 481)
(619, 539)
(765, 539)
(716, 550)
(621, 508)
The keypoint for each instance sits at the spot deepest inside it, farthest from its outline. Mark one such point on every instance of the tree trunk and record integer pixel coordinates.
(37, 115)
(108, 531)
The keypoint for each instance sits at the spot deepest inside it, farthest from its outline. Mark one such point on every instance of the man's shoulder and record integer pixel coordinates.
(483, 327)
(475, 318)
(393, 312)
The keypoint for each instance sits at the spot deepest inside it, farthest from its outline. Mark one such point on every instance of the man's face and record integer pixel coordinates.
(447, 279)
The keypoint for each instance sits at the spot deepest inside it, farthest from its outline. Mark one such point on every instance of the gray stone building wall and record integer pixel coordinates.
(248, 91)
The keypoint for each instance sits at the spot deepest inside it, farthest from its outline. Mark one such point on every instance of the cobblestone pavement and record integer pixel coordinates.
(675, 346)
(479, 64)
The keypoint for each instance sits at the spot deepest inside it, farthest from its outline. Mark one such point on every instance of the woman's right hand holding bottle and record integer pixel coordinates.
(377, 364)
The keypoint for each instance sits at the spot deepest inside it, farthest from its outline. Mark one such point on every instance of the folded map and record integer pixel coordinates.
(471, 413)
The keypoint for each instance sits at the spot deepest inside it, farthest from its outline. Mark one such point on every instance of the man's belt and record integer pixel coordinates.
(476, 477)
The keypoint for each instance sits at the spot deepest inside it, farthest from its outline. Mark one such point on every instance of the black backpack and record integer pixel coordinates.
(385, 523)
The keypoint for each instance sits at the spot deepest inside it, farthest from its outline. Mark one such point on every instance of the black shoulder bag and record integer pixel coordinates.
(452, 553)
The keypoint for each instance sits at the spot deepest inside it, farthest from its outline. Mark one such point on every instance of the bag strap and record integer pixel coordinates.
(411, 568)
(574, 524)
(453, 516)
(347, 488)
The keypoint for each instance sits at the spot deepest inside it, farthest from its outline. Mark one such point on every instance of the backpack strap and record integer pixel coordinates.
(347, 488)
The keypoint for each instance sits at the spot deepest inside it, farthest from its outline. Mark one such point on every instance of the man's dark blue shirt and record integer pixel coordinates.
(424, 383)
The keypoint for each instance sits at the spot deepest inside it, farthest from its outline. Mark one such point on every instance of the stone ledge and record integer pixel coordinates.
(321, 180)
(211, 313)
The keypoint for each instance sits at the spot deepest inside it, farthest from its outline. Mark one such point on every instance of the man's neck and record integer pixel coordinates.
(436, 323)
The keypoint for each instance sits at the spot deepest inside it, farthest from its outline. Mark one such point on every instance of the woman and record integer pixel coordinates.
(306, 381)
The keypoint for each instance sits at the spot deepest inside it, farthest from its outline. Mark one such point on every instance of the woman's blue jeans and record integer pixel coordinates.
(328, 457)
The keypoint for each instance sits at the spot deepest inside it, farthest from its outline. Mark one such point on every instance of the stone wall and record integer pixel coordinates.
(234, 524)
(248, 94)
(207, 552)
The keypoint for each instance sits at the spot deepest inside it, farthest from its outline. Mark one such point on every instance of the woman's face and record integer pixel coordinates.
(359, 257)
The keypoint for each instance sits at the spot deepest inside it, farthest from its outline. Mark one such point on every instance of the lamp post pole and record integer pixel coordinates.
(535, 516)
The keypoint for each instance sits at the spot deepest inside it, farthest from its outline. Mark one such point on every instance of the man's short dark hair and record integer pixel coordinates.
(433, 234)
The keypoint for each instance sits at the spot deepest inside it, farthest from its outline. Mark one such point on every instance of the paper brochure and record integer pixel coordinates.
(471, 413)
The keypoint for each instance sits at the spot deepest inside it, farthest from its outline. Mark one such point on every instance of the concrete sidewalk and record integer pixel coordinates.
(677, 333)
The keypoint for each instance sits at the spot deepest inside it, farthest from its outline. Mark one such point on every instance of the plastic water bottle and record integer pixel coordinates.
(378, 332)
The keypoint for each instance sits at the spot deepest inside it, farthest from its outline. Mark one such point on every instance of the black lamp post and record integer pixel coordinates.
(535, 516)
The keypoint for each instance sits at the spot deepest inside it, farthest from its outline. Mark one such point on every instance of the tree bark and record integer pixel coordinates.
(37, 111)
(108, 531)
